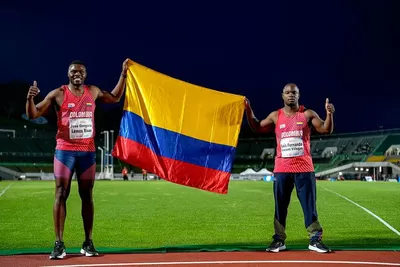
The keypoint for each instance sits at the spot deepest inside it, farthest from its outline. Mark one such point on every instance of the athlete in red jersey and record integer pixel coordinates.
(293, 162)
(75, 150)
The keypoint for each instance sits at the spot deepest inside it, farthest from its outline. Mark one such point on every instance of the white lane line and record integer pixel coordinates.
(366, 210)
(228, 262)
(2, 192)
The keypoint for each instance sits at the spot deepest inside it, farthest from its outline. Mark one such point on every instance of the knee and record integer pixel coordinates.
(61, 194)
(85, 194)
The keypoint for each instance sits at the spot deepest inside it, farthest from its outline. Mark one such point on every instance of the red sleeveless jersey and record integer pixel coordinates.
(293, 143)
(75, 121)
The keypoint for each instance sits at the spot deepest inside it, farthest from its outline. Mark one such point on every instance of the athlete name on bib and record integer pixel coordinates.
(292, 147)
(80, 128)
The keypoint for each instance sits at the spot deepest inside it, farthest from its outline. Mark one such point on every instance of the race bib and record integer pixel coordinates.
(80, 128)
(292, 147)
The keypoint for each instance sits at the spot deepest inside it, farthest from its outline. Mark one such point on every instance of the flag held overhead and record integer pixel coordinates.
(184, 133)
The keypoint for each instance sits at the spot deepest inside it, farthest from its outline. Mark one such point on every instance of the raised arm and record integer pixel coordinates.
(323, 127)
(116, 94)
(35, 111)
(264, 126)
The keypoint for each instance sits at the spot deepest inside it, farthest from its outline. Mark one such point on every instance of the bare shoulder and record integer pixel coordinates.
(273, 116)
(94, 91)
(56, 92)
(93, 87)
(310, 114)
(274, 113)
(55, 96)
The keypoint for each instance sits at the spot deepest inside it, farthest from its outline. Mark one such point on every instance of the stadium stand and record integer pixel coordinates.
(327, 151)
(28, 148)
(390, 140)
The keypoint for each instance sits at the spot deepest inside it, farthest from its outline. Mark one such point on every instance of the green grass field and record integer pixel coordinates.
(141, 216)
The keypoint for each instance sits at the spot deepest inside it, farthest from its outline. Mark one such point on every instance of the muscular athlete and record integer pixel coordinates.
(75, 150)
(293, 162)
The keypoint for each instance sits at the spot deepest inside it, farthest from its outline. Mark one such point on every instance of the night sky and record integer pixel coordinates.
(348, 51)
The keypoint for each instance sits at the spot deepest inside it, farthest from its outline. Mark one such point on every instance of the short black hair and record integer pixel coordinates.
(77, 62)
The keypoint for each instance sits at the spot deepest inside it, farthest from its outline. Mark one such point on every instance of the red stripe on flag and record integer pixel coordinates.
(171, 170)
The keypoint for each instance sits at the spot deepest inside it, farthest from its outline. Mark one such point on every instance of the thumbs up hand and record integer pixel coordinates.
(33, 90)
(330, 109)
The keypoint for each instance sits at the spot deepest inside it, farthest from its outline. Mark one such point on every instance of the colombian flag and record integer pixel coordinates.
(184, 133)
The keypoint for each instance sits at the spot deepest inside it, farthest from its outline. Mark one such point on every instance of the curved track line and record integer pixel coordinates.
(2, 192)
(367, 210)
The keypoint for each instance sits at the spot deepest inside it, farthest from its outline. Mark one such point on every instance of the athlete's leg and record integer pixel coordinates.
(283, 187)
(86, 172)
(306, 193)
(64, 163)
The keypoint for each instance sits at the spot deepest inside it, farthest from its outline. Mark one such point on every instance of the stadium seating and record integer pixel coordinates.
(389, 140)
(32, 149)
(349, 148)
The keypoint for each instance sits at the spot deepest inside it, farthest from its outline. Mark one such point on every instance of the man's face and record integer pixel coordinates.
(77, 74)
(291, 96)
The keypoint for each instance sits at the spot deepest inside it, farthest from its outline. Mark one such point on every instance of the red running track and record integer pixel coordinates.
(217, 259)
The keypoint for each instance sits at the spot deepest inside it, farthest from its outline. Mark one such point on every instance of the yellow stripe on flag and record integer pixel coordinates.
(178, 106)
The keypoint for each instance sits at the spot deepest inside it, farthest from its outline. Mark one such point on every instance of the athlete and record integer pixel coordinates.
(75, 150)
(293, 163)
